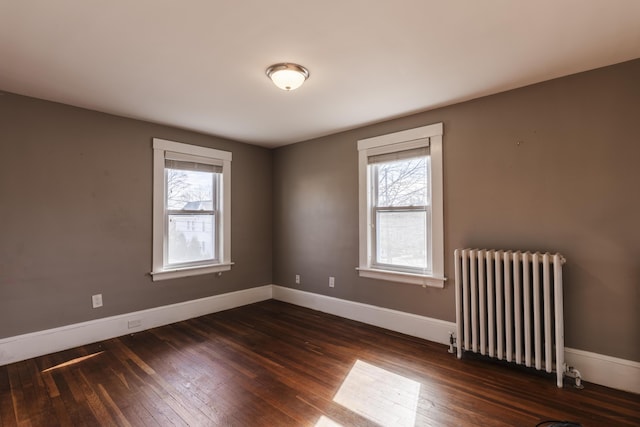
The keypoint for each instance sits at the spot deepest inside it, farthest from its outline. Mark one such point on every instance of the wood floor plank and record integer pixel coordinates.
(7, 413)
(36, 395)
(19, 406)
(275, 364)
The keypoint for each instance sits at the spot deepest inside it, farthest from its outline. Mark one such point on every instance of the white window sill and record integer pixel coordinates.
(400, 277)
(189, 271)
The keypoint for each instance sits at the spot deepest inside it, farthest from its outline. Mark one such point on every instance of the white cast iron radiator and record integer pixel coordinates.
(509, 306)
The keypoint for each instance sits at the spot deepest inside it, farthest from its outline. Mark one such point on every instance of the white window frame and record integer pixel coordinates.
(430, 136)
(161, 148)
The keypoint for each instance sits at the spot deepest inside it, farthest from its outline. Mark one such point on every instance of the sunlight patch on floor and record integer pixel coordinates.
(379, 395)
(327, 422)
(73, 362)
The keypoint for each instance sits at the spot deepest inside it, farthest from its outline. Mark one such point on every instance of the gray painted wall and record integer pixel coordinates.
(75, 216)
(549, 167)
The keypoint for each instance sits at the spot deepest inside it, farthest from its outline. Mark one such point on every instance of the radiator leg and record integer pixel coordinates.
(572, 372)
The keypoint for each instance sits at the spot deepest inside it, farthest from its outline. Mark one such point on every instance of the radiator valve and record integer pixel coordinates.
(452, 342)
(572, 372)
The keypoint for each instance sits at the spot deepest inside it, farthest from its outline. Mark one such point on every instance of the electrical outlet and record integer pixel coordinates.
(96, 300)
(134, 323)
(297, 279)
(332, 281)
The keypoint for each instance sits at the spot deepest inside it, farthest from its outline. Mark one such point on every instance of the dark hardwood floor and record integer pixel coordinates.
(275, 364)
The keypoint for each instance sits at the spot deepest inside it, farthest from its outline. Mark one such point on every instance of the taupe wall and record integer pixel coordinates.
(547, 167)
(75, 216)
(550, 167)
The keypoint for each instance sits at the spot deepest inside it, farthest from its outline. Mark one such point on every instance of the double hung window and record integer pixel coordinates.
(400, 210)
(401, 233)
(191, 210)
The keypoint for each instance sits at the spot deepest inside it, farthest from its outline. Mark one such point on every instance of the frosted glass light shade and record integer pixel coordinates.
(287, 76)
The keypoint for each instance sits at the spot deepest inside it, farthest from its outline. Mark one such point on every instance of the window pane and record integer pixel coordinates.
(402, 238)
(191, 238)
(402, 182)
(189, 190)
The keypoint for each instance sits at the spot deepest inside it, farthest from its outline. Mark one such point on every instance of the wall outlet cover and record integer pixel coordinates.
(96, 300)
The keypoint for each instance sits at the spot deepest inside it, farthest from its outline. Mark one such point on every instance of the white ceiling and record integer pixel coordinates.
(199, 64)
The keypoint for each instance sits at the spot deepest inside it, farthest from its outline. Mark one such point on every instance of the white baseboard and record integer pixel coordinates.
(411, 324)
(600, 369)
(39, 343)
(608, 371)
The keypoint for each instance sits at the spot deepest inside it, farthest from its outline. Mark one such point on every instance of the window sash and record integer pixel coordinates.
(375, 161)
(376, 208)
(201, 260)
(186, 163)
(215, 190)
(374, 239)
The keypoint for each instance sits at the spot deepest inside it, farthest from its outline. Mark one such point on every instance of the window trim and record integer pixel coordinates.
(430, 136)
(161, 149)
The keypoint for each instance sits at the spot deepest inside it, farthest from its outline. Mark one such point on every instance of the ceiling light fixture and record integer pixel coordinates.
(287, 76)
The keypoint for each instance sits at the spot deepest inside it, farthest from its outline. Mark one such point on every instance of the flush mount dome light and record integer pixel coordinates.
(287, 76)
